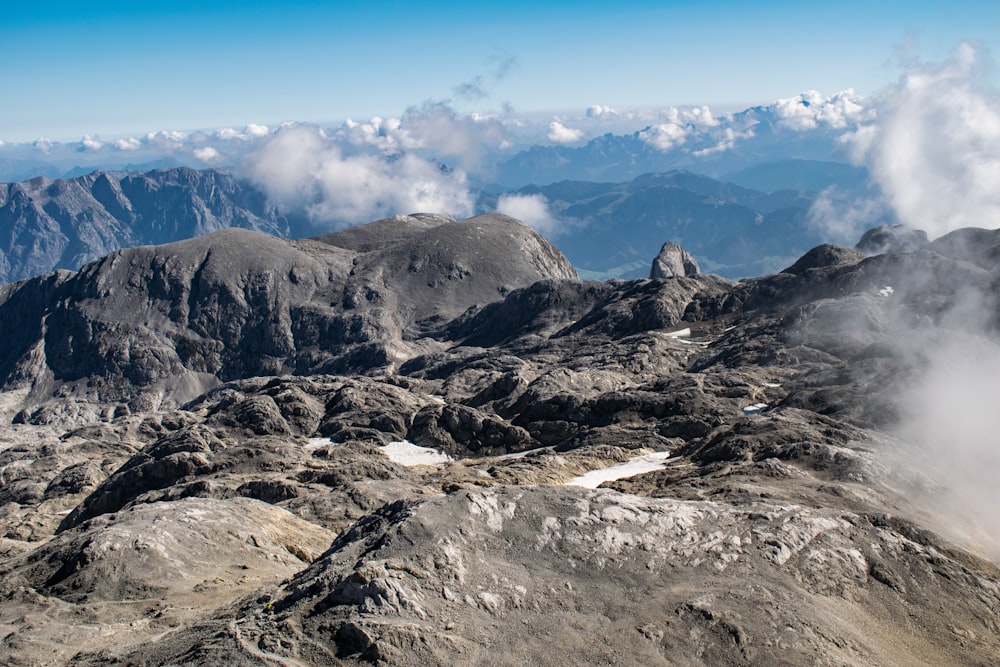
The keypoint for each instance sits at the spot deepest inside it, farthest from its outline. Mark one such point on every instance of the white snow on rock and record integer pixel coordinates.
(521, 455)
(772, 385)
(631, 468)
(405, 453)
(680, 333)
(755, 408)
(318, 443)
(886, 291)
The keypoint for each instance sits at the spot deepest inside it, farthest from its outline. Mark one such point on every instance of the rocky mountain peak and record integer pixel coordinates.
(418, 441)
(156, 321)
(673, 261)
(891, 238)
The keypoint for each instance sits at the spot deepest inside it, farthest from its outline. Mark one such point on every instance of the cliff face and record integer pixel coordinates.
(392, 435)
(167, 322)
(62, 224)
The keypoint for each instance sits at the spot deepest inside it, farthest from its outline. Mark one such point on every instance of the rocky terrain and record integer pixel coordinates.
(425, 441)
(64, 223)
(605, 229)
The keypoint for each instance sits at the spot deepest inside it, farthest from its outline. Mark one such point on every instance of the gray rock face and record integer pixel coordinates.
(454, 579)
(891, 238)
(63, 224)
(765, 508)
(673, 261)
(151, 322)
(823, 256)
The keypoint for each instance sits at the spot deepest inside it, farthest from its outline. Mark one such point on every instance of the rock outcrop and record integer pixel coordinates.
(63, 224)
(673, 261)
(156, 323)
(394, 435)
(891, 238)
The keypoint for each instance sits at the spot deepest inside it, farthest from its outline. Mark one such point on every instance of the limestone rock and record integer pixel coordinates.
(673, 261)
(891, 238)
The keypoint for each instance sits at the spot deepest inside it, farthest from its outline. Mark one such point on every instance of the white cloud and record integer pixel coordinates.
(127, 144)
(168, 141)
(843, 217)
(251, 131)
(725, 141)
(560, 134)
(532, 210)
(676, 127)
(948, 422)
(433, 129)
(600, 112)
(699, 117)
(257, 131)
(811, 110)
(440, 129)
(300, 167)
(206, 154)
(934, 147)
(43, 145)
(90, 144)
(665, 136)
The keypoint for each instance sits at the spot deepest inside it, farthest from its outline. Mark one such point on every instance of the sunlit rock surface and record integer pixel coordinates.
(379, 447)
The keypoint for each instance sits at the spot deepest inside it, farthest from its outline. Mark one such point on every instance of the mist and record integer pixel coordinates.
(932, 147)
(302, 168)
(949, 424)
(933, 152)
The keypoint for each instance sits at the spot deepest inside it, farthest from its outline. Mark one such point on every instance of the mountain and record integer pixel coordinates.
(610, 230)
(168, 322)
(606, 229)
(382, 446)
(815, 175)
(752, 138)
(64, 223)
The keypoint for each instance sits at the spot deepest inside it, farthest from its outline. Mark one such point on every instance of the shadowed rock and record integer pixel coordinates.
(758, 504)
(891, 238)
(150, 324)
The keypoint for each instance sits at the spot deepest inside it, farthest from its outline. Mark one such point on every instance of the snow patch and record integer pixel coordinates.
(318, 443)
(886, 291)
(634, 466)
(755, 408)
(405, 453)
(680, 333)
(520, 455)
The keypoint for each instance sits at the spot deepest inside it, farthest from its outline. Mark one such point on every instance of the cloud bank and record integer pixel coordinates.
(811, 110)
(949, 426)
(302, 168)
(532, 210)
(560, 134)
(934, 148)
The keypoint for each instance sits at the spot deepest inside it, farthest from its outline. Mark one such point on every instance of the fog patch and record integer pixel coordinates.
(843, 216)
(950, 423)
(934, 148)
(533, 210)
(301, 168)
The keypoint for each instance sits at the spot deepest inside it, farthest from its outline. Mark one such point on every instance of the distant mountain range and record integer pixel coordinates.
(62, 224)
(750, 139)
(612, 230)
(605, 229)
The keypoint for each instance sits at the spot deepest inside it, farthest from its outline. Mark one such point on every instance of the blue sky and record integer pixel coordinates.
(120, 68)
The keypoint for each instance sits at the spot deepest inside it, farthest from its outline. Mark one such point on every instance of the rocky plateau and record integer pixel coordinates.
(426, 441)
